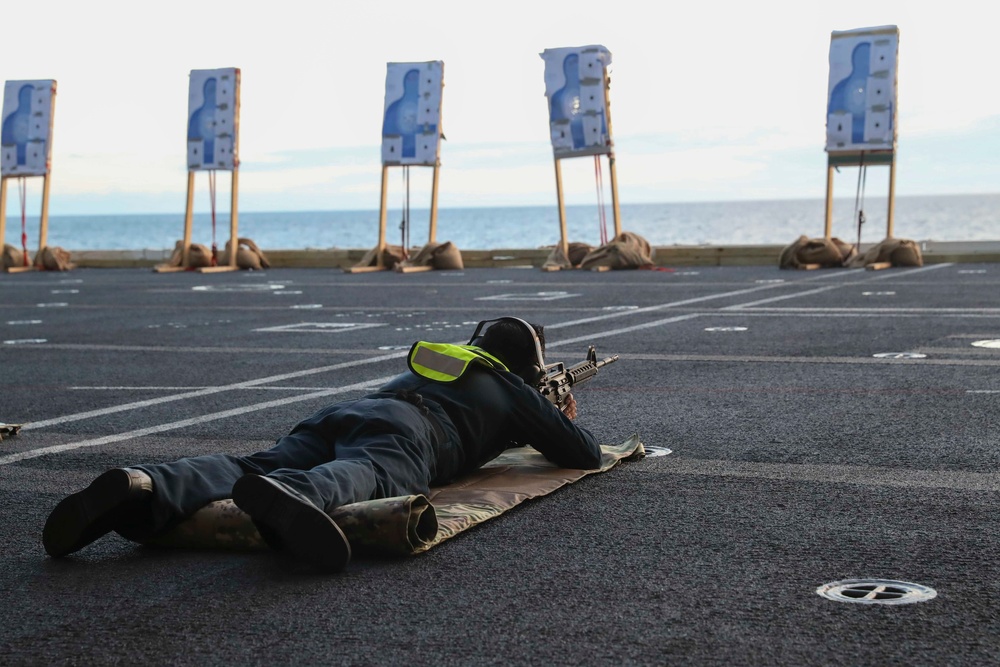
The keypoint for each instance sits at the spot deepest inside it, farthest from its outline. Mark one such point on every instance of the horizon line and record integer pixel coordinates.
(179, 210)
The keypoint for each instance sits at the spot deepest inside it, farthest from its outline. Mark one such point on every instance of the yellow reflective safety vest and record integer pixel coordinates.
(444, 362)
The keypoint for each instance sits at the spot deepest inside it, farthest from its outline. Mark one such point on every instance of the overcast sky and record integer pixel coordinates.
(709, 100)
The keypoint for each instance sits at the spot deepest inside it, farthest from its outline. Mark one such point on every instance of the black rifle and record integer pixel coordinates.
(559, 381)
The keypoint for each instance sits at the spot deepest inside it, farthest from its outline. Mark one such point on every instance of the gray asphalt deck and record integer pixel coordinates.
(799, 458)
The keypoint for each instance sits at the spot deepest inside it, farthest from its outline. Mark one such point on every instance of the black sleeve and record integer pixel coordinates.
(542, 425)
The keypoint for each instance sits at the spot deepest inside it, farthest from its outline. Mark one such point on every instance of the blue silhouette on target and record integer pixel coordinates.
(849, 94)
(201, 125)
(401, 116)
(565, 102)
(15, 126)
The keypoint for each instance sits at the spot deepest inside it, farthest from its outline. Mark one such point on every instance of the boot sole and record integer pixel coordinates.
(83, 517)
(303, 529)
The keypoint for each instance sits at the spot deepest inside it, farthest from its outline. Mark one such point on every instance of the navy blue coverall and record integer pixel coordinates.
(412, 434)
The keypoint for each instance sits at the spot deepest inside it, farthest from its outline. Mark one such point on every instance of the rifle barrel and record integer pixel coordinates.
(610, 360)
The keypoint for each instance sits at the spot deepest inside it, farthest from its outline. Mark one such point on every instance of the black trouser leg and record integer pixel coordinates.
(347, 452)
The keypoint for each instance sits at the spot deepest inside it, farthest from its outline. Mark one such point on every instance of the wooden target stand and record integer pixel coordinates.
(383, 214)
(233, 201)
(860, 159)
(43, 226)
(615, 208)
(597, 151)
(188, 223)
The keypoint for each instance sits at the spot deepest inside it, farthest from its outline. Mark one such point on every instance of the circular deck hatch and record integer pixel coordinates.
(876, 591)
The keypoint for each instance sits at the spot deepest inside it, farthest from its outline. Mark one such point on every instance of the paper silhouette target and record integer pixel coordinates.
(861, 99)
(25, 133)
(575, 84)
(411, 121)
(213, 119)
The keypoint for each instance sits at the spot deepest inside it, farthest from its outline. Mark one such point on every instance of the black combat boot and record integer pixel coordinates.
(83, 517)
(290, 522)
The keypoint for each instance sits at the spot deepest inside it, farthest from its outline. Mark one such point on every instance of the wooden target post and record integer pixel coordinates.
(26, 149)
(613, 172)
(213, 145)
(862, 109)
(383, 215)
(578, 91)
(860, 159)
(411, 137)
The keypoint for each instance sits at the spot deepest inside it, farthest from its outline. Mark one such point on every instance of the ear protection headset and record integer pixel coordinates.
(536, 371)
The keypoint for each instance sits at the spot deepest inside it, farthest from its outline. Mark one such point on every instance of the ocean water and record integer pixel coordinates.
(937, 218)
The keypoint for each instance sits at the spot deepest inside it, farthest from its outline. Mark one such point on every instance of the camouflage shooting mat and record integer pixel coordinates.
(409, 524)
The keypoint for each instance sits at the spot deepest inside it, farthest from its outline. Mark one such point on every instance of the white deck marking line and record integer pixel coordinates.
(822, 289)
(985, 352)
(569, 341)
(857, 312)
(323, 369)
(651, 309)
(157, 388)
(909, 272)
(834, 474)
(615, 332)
(931, 311)
(783, 297)
(205, 392)
(214, 416)
(250, 384)
(675, 304)
(205, 348)
(55, 449)
(806, 360)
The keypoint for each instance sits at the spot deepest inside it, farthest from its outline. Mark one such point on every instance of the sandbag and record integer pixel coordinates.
(628, 250)
(423, 257)
(248, 255)
(175, 257)
(53, 258)
(447, 257)
(577, 251)
(898, 252)
(907, 253)
(823, 252)
(827, 252)
(13, 257)
(439, 256)
(789, 255)
(557, 259)
(199, 256)
(391, 256)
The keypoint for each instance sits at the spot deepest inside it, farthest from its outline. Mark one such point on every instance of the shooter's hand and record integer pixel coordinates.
(569, 406)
